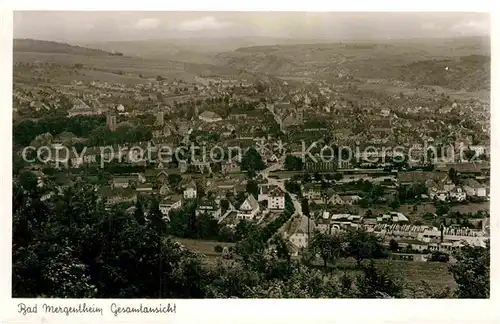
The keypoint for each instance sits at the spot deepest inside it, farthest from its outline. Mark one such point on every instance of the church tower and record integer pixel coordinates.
(111, 121)
(160, 118)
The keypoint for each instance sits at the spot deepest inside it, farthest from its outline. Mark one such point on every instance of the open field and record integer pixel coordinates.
(149, 68)
(455, 94)
(203, 246)
(436, 274)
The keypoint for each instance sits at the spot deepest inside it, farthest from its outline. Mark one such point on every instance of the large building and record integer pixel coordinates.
(209, 117)
(80, 108)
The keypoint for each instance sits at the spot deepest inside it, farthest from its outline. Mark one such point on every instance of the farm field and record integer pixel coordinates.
(436, 274)
(149, 68)
(203, 246)
(460, 95)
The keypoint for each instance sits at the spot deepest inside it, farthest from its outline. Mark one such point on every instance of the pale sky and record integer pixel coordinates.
(75, 26)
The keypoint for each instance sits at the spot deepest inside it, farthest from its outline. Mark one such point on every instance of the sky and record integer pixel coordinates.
(90, 26)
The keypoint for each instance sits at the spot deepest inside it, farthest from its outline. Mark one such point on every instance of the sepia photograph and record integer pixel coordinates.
(249, 155)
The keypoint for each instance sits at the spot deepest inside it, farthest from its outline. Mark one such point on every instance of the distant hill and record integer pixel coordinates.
(419, 61)
(42, 46)
(189, 49)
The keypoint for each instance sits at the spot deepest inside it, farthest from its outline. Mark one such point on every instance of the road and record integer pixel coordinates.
(281, 183)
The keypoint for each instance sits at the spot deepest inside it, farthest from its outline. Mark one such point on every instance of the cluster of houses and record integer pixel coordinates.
(472, 183)
(215, 198)
(391, 226)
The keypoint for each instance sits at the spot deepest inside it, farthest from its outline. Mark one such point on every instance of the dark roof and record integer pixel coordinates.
(465, 167)
(419, 176)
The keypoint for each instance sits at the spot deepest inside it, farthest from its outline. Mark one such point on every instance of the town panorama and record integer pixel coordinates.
(206, 164)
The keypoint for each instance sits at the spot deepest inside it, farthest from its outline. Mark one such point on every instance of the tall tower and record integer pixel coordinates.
(196, 111)
(160, 118)
(111, 121)
(300, 116)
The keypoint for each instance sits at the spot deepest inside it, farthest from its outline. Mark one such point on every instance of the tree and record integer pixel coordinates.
(376, 191)
(442, 208)
(394, 204)
(174, 180)
(224, 204)
(226, 234)
(252, 162)
(393, 245)
(139, 213)
(252, 188)
(327, 246)
(293, 187)
(305, 207)
(293, 163)
(365, 203)
(453, 175)
(73, 247)
(377, 283)
(307, 177)
(472, 272)
(362, 245)
(28, 180)
(338, 176)
(155, 217)
(439, 256)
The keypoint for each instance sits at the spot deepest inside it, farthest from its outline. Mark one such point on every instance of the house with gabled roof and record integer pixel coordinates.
(299, 231)
(190, 191)
(209, 206)
(170, 203)
(473, 188)
(248, 209)
(335, 199)
(162, 177)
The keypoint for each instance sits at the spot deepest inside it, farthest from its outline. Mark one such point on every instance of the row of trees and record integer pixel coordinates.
(25, 131)
(357, 244)
(102, 135)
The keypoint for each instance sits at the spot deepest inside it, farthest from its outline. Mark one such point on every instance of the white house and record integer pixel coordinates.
(210, 207)
(457, 194)
(190, 192)
(170, 203)
(248, 209)
(394, 217)
(474, 188)
(274, 195)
